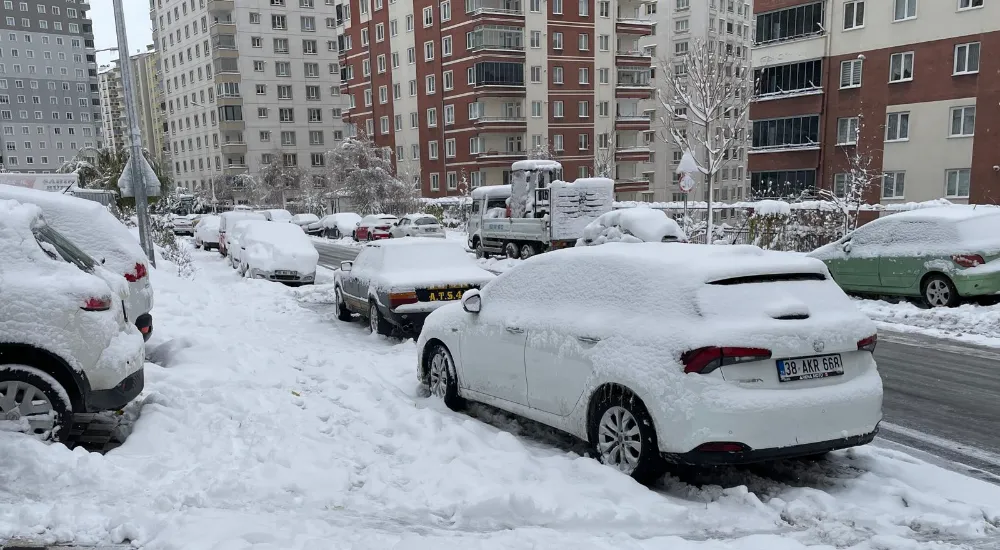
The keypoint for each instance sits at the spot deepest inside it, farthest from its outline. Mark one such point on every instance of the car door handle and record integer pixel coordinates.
(588, 339)
(514, 330)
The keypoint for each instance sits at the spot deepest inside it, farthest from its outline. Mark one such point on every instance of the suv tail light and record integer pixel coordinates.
(722, 447)
(97, 304)
(382, 227)
(400, 298)
(868, 344)
(968, 260)
(140, 272)
(706, 360)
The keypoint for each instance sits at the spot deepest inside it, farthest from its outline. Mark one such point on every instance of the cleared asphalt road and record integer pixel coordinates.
(941, 396)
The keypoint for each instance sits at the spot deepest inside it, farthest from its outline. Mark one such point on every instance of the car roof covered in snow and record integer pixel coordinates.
(953, 213)
(492, 192)
(419, 261)
(87, 224)
(275, 233)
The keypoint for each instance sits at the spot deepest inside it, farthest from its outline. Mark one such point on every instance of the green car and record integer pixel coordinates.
(941, 254)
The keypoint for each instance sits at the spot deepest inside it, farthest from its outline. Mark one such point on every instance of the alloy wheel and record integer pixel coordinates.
(439, 374)
(619, 440)
(20, 401)
(938, 294)
(373, 318)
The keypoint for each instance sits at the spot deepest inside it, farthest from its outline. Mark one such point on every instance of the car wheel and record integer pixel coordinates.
(369, 236)
(442, 380)
(512, 250)
(623, 435)
(34, 402)
(354, 235)
(938, 291)
(376, 322)
(336, 233)
(343, 313)
(197, 244)
(527, 251)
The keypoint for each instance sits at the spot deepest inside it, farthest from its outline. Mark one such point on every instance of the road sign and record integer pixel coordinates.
(687, 183)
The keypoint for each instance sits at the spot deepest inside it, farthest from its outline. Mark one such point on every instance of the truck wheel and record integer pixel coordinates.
(512, 250)
(527, 251)
(481, 252)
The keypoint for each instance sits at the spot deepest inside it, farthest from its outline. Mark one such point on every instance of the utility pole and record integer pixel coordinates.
(138, 161)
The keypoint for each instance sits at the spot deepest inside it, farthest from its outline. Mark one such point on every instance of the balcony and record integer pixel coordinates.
(634, 26)
(229, 99)
(499, 38)
(494, 7)
(634, 58)
(234, 148)
(632, 153)
(637, 121)
(225, 41)
(221, 6)
(633, 83)
(232, 125)
(631, 184)
(499, 78)
(235, 169)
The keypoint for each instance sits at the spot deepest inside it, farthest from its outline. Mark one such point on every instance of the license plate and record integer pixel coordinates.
(441, 294)
(285, 272)
(429, 229)
(806, 368)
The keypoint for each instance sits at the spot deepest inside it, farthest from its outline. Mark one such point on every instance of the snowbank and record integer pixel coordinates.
(631, 225)
(968, 322)
(271, 426)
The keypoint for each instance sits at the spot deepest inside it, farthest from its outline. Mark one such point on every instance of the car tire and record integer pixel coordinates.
(376, 322)
(354, 235)
(369, 237)
(481, 252)
(441, 377)
(528, 250)
(618, 413)
(336, 233)
(512, 250)
(938, 291)
(52, 411)
(343, 313)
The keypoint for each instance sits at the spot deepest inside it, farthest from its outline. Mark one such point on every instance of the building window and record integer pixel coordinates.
(847, 131)
(435, 182)
(893, 184)
(584, 75)
(432, 120)
(557, 7)
(854, 15)
(428, 51)
(787, 79)
(432, 150)
(782, 183)
(840, 185)
(904, 9)
(446, 10)
(850, 73)
(792, 132)
(449, 148)
(557, 41)
(557, 75)
(957, 183)
(967, 58)
(790, 23)
(428, 16)
(962, 4)
(901, 67)
(557, 109)
(897, 127)
(963, 121)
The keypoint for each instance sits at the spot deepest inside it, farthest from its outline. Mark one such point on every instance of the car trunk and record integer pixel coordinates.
(785, 331)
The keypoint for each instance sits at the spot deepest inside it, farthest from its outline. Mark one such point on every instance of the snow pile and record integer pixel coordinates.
(633, 225)
(270, 246)
(773, 208)
(498, 265)
(969, 322)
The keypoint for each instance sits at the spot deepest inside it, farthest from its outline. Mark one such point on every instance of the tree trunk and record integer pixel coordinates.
(709, 239)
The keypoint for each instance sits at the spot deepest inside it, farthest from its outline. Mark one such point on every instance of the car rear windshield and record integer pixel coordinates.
(426, 221)
(67, 250)
(779, 296)
(981, 229)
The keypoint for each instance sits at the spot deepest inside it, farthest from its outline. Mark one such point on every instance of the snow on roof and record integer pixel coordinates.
(86, 224)
(492, 192)
(773, 208)
(276, 233)
(536, 164)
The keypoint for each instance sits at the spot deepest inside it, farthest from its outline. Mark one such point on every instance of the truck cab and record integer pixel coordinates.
(488, 202)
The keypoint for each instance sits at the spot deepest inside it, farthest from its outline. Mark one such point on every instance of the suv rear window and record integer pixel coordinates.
(426, 221)
(67, 250)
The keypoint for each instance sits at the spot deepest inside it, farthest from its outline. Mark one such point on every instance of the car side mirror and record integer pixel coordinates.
(847, 247)
(346, 266)
(472, 302)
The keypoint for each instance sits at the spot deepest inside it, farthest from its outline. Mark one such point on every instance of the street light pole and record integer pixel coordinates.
(132, 116)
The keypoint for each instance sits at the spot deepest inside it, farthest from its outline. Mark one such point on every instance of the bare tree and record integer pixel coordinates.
(280, 178)
(864, 173)
(706, 96)
(363, 172)
(542, 151)
(604, 159)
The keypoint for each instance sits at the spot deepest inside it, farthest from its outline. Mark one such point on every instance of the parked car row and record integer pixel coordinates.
(269, 250)
(375, 226)
(68, 339)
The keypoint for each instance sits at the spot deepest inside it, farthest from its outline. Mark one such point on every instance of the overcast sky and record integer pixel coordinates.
(136, 23)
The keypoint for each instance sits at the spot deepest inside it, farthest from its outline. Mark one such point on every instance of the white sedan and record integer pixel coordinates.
(417, 225)
(206, 233)
(706, 355)
(278, 252)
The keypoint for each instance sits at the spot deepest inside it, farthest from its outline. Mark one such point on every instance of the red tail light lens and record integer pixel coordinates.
(722, 447)
(868, 344)
(968, 260)
(140, 272)
(382, 227)
(400, 298)
(706, 360)
(97, 304)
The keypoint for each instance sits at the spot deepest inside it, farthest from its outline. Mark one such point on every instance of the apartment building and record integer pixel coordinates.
(248, 82)
(49, 97)
(914, 84)
(460, 90)
(680, 24)
(114, 123)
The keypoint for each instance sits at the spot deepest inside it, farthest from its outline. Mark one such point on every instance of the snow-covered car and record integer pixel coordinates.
(632, 225)
(706, 355)
(303, 220)
(278, 252)
(374, 227)
(206, 233)
(228, 219)
(65, 343)
(234, 239)
(97, 232)
(417, 225)
(942, 255)
(276, 215)
(182, 225)
(335, 226)
(397, 283)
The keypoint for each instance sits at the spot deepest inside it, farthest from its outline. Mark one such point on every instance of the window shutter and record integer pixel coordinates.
(856, 72)
(845, 74)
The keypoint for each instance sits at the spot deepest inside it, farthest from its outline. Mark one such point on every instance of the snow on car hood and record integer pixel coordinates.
(277, 245)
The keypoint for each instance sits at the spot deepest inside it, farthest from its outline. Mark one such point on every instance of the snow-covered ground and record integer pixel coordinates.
(267, 424)
(968, 322)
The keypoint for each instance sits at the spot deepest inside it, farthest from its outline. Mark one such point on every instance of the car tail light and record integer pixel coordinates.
(140, 272)
(722, 447)
(397, 299)
(382, 227)
(868, 344)
(968, 260)
(97, 304)
(706, 360)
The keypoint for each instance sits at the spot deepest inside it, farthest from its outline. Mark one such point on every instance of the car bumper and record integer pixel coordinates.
(183, 231)
(751, 456)
(409, 322)
(977, 285)
(765, 419)
(117, 397)
(296, 279)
